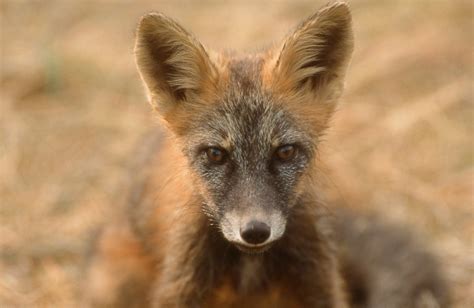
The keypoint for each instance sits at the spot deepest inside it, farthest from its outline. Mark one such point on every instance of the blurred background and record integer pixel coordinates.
(73, 110)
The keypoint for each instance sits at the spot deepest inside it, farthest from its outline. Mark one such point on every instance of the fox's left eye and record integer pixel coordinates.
(285, 152)
(215, 155)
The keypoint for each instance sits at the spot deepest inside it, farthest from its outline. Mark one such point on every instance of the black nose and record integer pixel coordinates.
(255, 232)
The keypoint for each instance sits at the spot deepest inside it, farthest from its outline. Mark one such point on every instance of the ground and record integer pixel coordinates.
(72, 111)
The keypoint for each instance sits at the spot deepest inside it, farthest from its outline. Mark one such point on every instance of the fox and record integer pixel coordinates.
(225, 209)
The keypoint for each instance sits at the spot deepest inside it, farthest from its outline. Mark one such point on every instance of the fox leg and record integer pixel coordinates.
(119, 272)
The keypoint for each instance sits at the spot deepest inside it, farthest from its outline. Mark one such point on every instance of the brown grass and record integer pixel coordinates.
(72, 111)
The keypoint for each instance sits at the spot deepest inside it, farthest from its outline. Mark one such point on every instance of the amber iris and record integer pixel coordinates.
(285, 152)
(215, 155)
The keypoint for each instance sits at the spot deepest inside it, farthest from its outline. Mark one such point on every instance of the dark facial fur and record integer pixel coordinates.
(248, 124)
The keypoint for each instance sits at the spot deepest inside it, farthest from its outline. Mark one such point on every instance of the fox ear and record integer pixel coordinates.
(315, 57)
(172, 64)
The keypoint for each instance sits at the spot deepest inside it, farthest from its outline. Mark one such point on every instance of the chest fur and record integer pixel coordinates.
(249, 285)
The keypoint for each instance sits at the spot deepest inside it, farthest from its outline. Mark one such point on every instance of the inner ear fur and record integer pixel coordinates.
(173, 65)
(314, 58)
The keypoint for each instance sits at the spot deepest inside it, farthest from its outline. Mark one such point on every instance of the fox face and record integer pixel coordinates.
(249, 125)
(249, 154)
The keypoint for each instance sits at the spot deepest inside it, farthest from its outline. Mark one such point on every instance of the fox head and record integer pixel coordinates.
(248, 125)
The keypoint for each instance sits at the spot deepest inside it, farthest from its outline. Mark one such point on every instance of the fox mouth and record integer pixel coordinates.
(253, 249)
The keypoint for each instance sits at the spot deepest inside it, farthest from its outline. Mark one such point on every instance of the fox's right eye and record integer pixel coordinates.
(215, 155)
(285, 152)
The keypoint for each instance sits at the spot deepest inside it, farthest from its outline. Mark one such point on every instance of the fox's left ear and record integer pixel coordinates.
(174, 66)
(313, 60)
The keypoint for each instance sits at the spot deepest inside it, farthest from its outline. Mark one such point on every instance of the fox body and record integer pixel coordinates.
(226, 210)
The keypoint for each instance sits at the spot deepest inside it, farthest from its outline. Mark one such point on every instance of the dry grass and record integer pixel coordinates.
(72, 111)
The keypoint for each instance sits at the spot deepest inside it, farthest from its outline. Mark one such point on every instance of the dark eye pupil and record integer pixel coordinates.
(215, 154)
(285, 152)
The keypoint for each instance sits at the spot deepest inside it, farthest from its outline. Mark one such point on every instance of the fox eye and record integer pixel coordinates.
(285, 152)
(215, 155)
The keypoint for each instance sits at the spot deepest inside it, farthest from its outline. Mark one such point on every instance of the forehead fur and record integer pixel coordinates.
(248, 114)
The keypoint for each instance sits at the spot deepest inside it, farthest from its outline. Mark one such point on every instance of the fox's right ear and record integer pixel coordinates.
(314, 58)
(173, 65)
